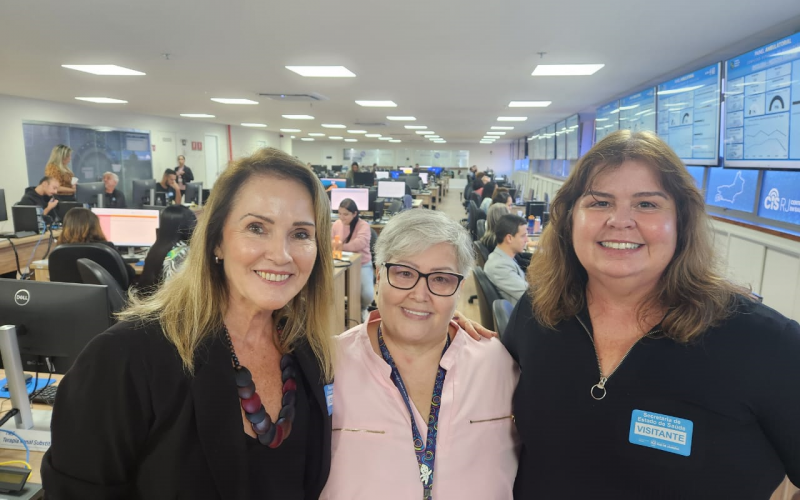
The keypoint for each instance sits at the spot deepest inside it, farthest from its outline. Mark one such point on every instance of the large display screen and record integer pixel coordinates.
(606, 120)
(573, 137)
(698, 173)
(780, 196)
(533, 147)
(688, 115)
(637, 112)
(561, 140)
(732, 188)
(550, 135)
(762, 106)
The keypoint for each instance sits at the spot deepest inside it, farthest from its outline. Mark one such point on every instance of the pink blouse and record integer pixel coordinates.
(372, 450)
(358, 243)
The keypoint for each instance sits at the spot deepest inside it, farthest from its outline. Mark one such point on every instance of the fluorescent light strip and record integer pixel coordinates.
(425, 132)
(225, 100)
(372, 135)
(529, 104)
(307, 139)
(502, 128)
(566, 69)
(322, 71)
(351, 140)
(196, 115)
(102, 100)
(298, 117)
(385, 138)
(103, 69)
(257, 125)
(401, 118)
(356, 131)
(377, 104)
(416, 127)
(316, 134)
(335, 137)
(495, 133)
(395, 140)
(512, 118)
(333, 125)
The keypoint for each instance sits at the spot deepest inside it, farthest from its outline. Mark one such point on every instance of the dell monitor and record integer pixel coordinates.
(414, 181)
(389, 189)
(87, 192)
(193, 193)
(424, 177)
(142, 190)
(65, 206)
(3, 209)
(381, 175)
(363, 179)
(128, 228)
(53, 320)
(358, 195)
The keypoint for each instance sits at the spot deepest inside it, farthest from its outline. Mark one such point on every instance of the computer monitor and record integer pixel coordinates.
(424, 177)
(141, 192)
(437, 171)
(340, 183)
(395, 174)
(337, 168)
(65, 206)
(193, 193)
(363, 179)
(86, 192)
(53, 320)
(381, 175)
(414, 181)
(390, 189)
(3, 209)
(128, 228)
(407, 170)
(358, 195)
(319, 169)
(535, 208)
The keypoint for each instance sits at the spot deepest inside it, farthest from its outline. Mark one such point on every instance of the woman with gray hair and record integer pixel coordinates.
(416, 400)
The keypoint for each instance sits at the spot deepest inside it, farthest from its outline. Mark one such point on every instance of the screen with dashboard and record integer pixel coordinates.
(128, 228)
(359, 195)
(637, 112)
(688, 115)
(732, 189)
(606, 120)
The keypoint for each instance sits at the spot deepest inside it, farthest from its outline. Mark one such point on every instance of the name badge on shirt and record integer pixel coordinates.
(329, 398)
(662, 432)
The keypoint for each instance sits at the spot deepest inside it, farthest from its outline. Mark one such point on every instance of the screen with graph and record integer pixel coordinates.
(573, 138)
(762, 106)
(550, 142)
(732, 188)
(561, 140)
(606, 120)
(688, 115)
(637, 112)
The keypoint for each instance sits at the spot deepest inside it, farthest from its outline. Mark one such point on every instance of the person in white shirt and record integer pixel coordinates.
(501, 268)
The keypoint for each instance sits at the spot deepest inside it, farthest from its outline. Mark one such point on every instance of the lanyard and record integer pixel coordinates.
(426, 456)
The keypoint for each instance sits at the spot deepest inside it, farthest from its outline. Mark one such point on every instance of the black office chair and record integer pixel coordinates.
(93, 273)
(502, 312)
(487, 294)
(63, 262)
(481, 253)
(474, 215)
(481, 228)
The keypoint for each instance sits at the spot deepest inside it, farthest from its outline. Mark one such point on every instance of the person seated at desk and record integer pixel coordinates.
(175, 227)
(354, 233)
(502, 195)
(81, 225)
(501, 268)
(496, 211)
(350, 177)
(113, 196)
(169, 186)
(481, 179)
(43, 195)
(486, 196)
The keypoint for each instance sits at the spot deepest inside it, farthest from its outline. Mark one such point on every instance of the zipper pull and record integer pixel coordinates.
(600, 386)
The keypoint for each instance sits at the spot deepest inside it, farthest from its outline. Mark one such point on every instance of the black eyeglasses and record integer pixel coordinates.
(405, 278)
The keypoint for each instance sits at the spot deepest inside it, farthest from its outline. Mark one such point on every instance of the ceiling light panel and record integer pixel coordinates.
(416, 127)
(495, 133)
(512, 118)
(316, 134)
(395, 140)
(377, 104)
(502, 128)
(196, 115)
(351, 140)
(566, 69)
(322, 71)
(307, 139)
(290, 130)
(333, 125)
(356, 131)
(255, 125)
(425, 132)
(298, 117)
(226, 100)
(102, 100)
(335, 137)
(103, 69)
(401, 118)
(529, 104)
(372, 135)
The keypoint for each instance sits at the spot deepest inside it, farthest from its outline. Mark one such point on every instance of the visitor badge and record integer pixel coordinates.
(662, 432)
(329, 398)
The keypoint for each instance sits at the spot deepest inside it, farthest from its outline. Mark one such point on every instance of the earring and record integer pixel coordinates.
(216, 260)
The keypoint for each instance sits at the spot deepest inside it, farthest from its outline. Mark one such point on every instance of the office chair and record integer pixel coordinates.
(93, 273)
(476, 198)
(373, 238)
(502, 312)
(487, 294)
(473, 216)
(481, 253)
(481, 228)
(396, 206)
(63, 262)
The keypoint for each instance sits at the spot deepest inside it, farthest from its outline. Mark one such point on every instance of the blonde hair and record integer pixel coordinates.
(692, 290)
(191, 305)
(81, 225)
(57, 156)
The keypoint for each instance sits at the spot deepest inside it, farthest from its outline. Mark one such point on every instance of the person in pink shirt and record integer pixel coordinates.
(355, 235)
(420, 409)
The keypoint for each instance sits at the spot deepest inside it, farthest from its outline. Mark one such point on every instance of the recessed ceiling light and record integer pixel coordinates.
(529, 104)
(225, 100)
(502, 128)
(401, 118)
(489, 138)
(335, 137)
(356, 131)
(372, 135)
(307, 139)
(322, 71)
(425, 132)
(566, 69)
(416, 127)
(495, 133)
(395, 140)
(333, 125)
(103, 69)
(351, 140)
(292, 137)
(290, 130)
(377, 104)
(196, 115)
(316, 134)
(385, 138)
(486, 142)
(512, 118)
(298, 117)
(440, 142)
(102, 100)
(260, 125)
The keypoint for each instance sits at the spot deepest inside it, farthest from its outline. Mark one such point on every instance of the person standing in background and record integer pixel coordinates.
(184, 174)
(113, 196)
(57, 169)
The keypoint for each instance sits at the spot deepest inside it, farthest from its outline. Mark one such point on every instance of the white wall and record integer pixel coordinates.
(15, 110)
(495, 156)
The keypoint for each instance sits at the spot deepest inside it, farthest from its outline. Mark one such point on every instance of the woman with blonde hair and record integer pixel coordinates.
(645, 372)
(214, 387)
(57, 168)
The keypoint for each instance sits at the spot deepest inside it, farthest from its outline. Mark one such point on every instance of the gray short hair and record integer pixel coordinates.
(110, 175)
(413, 231)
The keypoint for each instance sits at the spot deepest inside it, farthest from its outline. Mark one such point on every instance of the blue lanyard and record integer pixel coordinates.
(426, 456)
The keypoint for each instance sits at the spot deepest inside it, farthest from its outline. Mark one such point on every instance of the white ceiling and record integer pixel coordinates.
(454, 64)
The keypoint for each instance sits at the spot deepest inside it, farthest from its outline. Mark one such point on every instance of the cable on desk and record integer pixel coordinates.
(33, 254)
(49, 242)
(16, 256)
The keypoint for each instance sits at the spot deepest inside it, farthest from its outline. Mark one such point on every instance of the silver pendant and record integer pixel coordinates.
(600, 386)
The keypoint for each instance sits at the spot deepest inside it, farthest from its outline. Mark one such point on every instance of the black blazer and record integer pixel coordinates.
(130, 423)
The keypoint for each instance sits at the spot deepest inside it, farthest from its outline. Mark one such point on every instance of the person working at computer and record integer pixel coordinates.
(481, 179)
(169, 186)
(114, 198)
(511, 234)
(57, 168)
(486, 196)
(183, 174)
(43, 195)
(176, 224)
(355, 235)
(502, 195)
(350, 177)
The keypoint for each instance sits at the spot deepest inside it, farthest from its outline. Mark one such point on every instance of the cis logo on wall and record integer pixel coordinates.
(773, 200)
(197, 146)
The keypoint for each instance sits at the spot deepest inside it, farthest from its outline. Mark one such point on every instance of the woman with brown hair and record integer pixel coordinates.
(646, 373)
(57, 169)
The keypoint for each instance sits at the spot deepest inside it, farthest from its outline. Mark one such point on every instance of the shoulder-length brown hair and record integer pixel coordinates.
(191, 305)
(693, 291)
(81, 225)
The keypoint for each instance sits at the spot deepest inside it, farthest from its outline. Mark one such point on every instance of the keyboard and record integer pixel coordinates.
(47, 395)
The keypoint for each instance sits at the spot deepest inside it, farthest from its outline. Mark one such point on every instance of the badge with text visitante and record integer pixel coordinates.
(662, 432)
(329, 398)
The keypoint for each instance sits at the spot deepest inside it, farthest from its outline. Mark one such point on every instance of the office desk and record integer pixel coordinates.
(427, 199)
(41, 269)
(24, 248)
